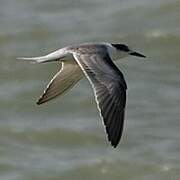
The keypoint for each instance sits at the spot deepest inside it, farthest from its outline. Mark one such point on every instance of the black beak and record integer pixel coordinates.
(137, 54)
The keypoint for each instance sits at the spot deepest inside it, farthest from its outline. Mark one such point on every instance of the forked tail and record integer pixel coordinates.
(54, 56)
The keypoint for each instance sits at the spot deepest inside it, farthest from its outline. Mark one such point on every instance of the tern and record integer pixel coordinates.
(95, 62)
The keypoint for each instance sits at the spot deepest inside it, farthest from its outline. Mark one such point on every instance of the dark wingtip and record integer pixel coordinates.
(114, 141)
(39, 101)
(114, 145)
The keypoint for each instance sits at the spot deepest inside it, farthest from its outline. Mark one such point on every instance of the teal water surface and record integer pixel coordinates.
(64, 139)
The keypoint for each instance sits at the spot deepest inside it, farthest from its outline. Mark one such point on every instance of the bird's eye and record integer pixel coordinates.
(121, 47)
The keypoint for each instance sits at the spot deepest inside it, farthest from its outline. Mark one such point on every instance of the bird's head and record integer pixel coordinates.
(122, 50)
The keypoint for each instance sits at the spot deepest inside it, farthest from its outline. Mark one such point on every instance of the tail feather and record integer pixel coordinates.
(54, 56)
(41, 59)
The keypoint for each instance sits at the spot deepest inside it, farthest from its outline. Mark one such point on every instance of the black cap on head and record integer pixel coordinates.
(121, 47)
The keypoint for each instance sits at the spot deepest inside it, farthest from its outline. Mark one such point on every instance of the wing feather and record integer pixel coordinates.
(109, 88)
(63, 81)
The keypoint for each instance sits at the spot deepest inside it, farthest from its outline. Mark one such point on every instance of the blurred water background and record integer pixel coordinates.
(64, 139)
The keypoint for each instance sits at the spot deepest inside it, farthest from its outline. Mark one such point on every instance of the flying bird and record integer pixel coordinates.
(95, 62)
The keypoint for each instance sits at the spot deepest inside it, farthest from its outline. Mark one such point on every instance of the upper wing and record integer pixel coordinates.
(110, 91)
(63, 81)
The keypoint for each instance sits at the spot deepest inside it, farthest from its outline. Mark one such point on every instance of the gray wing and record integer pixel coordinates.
(63, 81)
(110, 91)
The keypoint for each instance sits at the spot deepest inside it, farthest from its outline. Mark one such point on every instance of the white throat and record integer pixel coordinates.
(116, 54)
